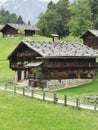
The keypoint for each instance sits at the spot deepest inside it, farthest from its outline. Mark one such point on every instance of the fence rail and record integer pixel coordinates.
(54, 97)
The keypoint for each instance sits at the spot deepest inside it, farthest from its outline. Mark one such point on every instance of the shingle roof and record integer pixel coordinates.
(23, 26)
(61, 49)
(94, 32)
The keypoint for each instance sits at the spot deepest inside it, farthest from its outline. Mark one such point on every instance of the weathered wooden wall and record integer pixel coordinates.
(66, 68)
(29, 33)
(91, 41)
(9, 32)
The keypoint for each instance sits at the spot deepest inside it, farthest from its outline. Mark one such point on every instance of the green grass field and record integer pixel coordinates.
(7, 45)
(19, 112)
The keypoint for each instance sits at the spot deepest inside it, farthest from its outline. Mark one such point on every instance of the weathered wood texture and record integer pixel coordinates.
(29, 33)
(9, 32)
(91, 41)
(90, 38)
(71, 67)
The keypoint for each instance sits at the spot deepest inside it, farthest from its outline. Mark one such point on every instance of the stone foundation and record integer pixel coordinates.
(57, 85)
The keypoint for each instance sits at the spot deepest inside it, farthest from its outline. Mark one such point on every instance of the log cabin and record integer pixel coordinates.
(11, 30)
(57, 60)
(90, 38)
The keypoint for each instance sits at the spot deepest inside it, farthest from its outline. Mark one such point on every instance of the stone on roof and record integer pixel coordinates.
(62, 49)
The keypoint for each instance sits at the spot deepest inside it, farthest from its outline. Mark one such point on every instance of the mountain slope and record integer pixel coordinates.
(28, 9)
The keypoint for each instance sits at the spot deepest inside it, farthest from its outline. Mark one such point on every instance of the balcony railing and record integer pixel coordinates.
(71, 65)
(17, 66)
(25, 54)
(66, 65)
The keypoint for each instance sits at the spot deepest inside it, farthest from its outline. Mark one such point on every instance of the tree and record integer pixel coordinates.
(55, 19)
(21, 31)
(7, 17)
(52, 19)
(50, 5)
(29, 23)
(13, 18)
(20, 20)
(42, 25)
(94, 9)
(37, 72)
(64, 13)
(80, 19)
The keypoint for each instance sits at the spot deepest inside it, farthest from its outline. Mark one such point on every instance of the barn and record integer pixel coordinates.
(11, 30)
(90, 38)
(57, 60)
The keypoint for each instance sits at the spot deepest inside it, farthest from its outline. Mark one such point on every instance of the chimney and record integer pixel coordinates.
(55, 37)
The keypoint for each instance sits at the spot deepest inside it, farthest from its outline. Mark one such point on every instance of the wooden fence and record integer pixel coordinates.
(54, 98)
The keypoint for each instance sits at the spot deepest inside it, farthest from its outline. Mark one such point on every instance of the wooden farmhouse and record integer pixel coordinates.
(10, 30)
(90, 38)
(57, 60)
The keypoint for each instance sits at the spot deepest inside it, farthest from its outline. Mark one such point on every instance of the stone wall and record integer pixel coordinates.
(57, 85)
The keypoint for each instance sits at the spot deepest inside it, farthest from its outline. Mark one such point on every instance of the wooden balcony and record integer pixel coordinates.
(17, 66)
(26, 54)
(71, 65)
(70, 76)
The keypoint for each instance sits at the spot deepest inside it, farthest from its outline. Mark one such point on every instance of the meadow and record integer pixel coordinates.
(7, 45)
(18, 112)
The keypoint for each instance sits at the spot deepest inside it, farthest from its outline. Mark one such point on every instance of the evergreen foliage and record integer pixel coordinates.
(20, 20)
(80, 19)
(94, 9)
(55, 19)
(7, 17)
(67, 17)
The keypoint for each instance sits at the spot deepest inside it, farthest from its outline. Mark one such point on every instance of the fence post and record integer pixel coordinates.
(65, 100)
(55, 98)
(5, 86)
(14, 88)
(32, 93)
(77, 103)
(44, 94)
(95, 105)
(23, 91)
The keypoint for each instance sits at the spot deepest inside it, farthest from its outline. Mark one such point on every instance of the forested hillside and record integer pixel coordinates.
(65, 17)
(6, 17)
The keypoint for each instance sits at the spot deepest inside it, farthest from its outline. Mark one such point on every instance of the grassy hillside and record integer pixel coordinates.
(24, 113)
